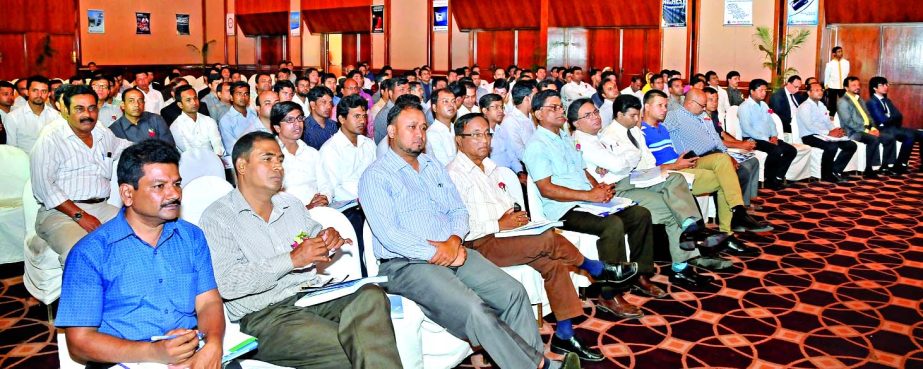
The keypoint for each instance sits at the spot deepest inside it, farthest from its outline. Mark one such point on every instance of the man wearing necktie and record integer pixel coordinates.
(856, 122)
(837, 69)
(785, 101)
(889, 122)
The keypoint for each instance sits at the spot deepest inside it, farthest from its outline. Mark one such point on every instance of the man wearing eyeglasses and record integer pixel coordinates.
(439, 141)
(108, 113)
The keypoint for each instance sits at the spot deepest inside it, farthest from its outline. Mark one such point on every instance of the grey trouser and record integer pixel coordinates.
(670, 203)
(477, 302)
(748, 172)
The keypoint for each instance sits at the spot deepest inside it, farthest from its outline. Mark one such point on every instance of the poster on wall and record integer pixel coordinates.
(294, 21)
(440, 15)
(96, 21)
(182, 24)
(802, 12)
(229, 27)
(674, 13)
(143, 23)
(378, 19)
(738, 12)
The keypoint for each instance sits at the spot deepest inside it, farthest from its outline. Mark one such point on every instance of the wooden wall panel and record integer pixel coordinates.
(13, 65)
(861, 46)
(261, 24)
(607, 13)
(495, 49)
(350, 54)
(365, 47)
(270, 52)
(16, 21)
(529, 54)
(864, 11)
(903, 54)
(261, 6)
(339, 20)
(603, 48)
(907, 98)
(641, 53)
(496, 14)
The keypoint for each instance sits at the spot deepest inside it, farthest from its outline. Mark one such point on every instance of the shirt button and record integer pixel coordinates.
(165, 311)
(160, 280)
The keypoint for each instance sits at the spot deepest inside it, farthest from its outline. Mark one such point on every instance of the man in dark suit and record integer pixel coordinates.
(785, 101)
(889, 120)
(856, 121)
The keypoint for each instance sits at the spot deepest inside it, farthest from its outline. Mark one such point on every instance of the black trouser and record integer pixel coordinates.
(828, 165)
(832, 95)
(906, 137)
(779, 160)
(871, 149)
(634, 221)
(357, 219)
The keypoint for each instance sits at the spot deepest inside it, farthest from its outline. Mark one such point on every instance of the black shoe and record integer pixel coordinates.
(773, 185)
(561, 346)
(737, 247)
(742, 222)
(689, 279)
(870, 174)
(833, 178)
(887, 171)
(704, 238)
(901, 169)
(617, 273)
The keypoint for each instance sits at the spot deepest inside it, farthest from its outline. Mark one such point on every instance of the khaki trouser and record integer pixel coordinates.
(716, 173)
(62, 233)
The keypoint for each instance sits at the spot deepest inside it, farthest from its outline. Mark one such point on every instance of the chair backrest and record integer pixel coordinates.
(796, 131)
(512, 184)
(346, 260)
(836, 120)
(536, 212)
(199, 194)
(29, 209)
(15, 171)
(732, 122)
(200, 163)
(778, 123)
(371, 262)
(114, 198)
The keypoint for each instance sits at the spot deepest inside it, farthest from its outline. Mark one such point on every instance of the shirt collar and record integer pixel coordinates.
(539, 130)
(119, 229)
(239, 205)
(466, 165)
(395, 163)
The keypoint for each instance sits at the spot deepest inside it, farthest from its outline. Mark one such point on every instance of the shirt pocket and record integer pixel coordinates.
(182, 288)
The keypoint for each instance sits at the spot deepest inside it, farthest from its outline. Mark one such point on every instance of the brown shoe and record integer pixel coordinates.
(621, 310)
(650, 291)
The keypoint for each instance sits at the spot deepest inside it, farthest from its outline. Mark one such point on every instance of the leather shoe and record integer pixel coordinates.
(652, 291)
(741, 222)
(739, 248)
(774, 185)
(561, 346)
(689, 279)
(627, 311)
(870, 174)
(704, 238)
(833, 178)
(617, 273)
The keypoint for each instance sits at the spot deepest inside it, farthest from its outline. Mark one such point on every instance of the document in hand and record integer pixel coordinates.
(604, 209)
(236, 344)
(531, 229)
(646, 177)
(343, 205)
(334, 291)
(832, 139)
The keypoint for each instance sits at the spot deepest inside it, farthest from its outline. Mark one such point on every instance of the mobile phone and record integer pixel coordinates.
(689, 155)
(516, 207)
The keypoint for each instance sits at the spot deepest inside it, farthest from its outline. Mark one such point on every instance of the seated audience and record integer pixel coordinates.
(890, 122)
(108, 113)
(193, 130)
(398, 87)
(515, 130)
(748, 166)
(240, 119)
(756, 123)
(318, 127)
(857, 123)
(785, 101)
(138, 124)
(735, 97)
(143, 274)
(71, 172)
(260, 272)
(817, 130)
(440, 143)
(304, 176)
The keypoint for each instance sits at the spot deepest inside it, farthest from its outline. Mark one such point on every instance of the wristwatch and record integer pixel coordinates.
(77, 216)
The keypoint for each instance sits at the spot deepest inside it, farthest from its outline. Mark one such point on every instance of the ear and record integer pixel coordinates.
(392, 131)
(126, 192)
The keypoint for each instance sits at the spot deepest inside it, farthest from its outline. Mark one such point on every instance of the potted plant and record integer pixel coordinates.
(775, 62)
(202, 52)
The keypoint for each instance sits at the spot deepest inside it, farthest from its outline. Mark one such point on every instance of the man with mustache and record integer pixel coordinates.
(163, 285)
(71, 171)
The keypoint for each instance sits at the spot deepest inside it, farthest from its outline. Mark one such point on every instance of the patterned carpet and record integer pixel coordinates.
(839, 285)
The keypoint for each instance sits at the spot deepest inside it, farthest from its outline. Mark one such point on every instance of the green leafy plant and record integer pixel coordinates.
(203, 52)
(775, 62)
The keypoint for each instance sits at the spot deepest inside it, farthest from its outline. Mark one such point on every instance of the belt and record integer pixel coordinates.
(95, 200)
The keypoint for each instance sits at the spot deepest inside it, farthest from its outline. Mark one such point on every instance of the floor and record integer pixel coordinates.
(839, 285)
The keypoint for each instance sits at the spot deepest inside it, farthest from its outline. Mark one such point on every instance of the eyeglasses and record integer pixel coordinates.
(554, 107)
(293, 120)
(594, 113)
(698, 103)
(477, 135)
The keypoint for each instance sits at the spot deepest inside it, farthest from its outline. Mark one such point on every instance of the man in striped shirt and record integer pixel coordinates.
(71, 172)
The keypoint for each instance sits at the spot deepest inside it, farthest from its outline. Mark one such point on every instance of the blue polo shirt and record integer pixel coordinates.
(128, 289)
(658, 140)
(555, 155)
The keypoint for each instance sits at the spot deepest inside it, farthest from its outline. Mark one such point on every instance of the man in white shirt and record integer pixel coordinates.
(302, 86)
(576, 88)
(816, 129)
(6, 102)
(192, 130)
(71, 173)
(304, 177)
(440, 142)
(723, 101)
(492, 108)
(469, 103)
(606, 93)
(634, 87)
(491, 209)
(345, 156)
(108, 113)
(22, 90)
(23, 125)
(239, 120)
(835, 72)
(153, 99)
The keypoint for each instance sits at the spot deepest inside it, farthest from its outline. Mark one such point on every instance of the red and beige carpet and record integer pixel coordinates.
(839, 285)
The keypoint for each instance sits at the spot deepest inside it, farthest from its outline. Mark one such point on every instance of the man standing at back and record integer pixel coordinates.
(835, 72)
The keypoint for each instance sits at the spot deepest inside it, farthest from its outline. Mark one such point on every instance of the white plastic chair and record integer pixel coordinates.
(12, 229)
(42, 269)
(421, 342)
(200, 163)
(199, 194)
(800, 168)
(346, 261)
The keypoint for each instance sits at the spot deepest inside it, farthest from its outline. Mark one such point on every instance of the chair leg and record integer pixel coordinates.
(50, 314)
(540, 315)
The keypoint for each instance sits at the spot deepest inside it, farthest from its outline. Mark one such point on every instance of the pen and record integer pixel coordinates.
(172, 336)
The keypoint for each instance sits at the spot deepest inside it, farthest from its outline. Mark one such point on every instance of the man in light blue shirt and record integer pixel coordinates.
(240, 119)
(756, 122)
(515, 130)
(816, 129)
(418, 221)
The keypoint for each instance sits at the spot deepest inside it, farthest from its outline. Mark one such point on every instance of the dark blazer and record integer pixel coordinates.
(778, 102)
(876, 109)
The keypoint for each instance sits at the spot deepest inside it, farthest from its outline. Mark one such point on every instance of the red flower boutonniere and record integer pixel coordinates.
(150, 132)
(770, 111)
(578, 147)
(502, 186)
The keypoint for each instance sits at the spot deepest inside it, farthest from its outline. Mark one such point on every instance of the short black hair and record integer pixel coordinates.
(573, 110)
(635, 78)
(710, 90)
(463, 121)
(37, 79)
(317, 92)
(385, 84)
(212, 77)
(835, 49)
(402, 103)
(794, 78)
(127, 90)
(458, 89)
(656, 77)
(670, 82)
(488, 99)
(135, 157)
(221, 87)
(848, 79)
(351, 102)
(260, 74)
(280, 110)
(623, 103)
(709, 74)
(539, 100)
(501, 83)
(178, 92)
(757, 83)
(240, 84)
(244, 144)
(877, 81)
(434, 96)
(732, 74)
(399, 81)
(652, 93)
(100, 77)
(75, 90)
(280, 84)
(521, 90)
(6, 84)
